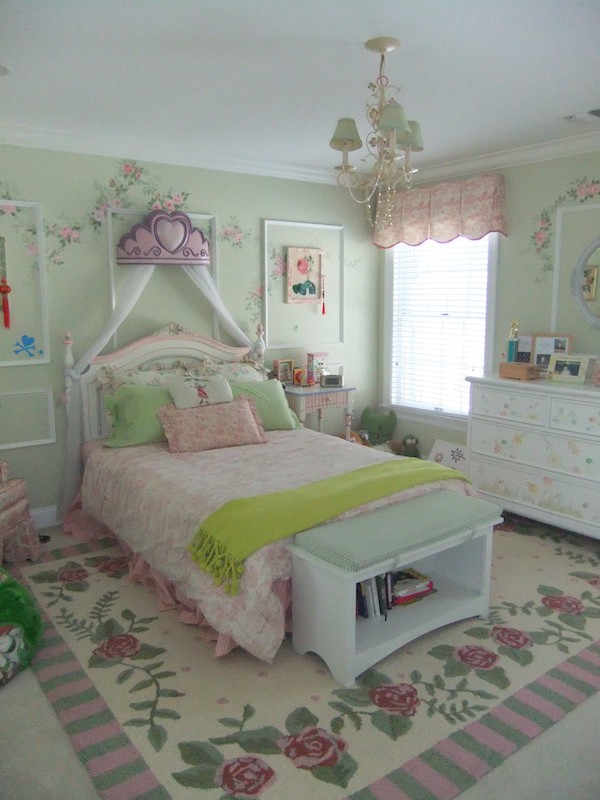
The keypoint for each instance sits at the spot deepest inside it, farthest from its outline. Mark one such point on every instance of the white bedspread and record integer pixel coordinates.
(154, 501)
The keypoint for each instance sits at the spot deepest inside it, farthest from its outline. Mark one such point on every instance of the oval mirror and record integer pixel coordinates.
(584, 283)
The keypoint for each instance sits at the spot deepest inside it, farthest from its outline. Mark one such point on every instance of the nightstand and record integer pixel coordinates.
(304, 400)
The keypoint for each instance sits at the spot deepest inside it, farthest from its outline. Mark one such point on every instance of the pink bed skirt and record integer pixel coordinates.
(84, 527)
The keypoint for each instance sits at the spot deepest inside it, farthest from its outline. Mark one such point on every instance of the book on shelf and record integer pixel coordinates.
(377, 595)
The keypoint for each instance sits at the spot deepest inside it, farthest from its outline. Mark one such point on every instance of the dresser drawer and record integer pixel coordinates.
(575, 417)
(566, 498)
(510, 406)
(557, 452)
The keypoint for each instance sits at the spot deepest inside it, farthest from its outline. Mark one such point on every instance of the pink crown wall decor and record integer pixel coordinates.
(164, 238)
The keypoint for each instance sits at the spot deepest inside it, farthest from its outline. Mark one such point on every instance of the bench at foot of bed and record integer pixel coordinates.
(445, 535)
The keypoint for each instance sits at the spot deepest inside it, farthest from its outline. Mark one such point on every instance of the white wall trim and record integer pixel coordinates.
(166, 153)
(44, 517)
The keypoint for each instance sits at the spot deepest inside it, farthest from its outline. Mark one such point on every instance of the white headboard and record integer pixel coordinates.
(171, 346)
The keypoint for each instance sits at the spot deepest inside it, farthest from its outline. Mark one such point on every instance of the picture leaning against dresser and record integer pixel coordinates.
(534, 447)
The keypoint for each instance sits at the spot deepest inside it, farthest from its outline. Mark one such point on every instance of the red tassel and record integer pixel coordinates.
(5, 291)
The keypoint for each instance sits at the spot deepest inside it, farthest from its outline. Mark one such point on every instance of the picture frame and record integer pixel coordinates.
(590, 279)
(305, 275)
(299, 377)
(571, 368)
(537, 348)
(284, 369)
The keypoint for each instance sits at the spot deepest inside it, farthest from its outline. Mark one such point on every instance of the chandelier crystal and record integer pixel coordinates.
(389, 145)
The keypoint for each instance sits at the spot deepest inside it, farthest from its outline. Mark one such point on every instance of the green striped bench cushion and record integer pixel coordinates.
(361, 541)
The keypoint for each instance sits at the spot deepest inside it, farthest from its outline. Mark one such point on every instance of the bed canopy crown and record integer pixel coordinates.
(164, 238)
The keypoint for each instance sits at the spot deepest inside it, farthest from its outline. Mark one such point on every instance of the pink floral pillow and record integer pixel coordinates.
(210, 427)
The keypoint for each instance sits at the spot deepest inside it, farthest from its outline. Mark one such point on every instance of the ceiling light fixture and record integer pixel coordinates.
(389, 145)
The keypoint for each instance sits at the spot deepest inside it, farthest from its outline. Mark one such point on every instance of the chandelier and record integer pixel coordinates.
(389, 145)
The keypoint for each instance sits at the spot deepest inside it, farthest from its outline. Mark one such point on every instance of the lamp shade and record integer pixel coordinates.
(346, 135)
(393, 118)
(415, 140)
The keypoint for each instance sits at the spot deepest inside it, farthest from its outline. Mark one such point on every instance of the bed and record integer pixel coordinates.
(154, 474)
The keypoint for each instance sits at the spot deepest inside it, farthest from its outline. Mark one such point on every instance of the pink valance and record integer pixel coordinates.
(470, 208)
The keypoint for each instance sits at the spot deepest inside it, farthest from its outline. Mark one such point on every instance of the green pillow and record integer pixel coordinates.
(134, 412)
(271, 404)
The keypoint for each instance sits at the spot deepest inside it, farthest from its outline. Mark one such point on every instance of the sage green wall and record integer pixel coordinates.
(70, 186)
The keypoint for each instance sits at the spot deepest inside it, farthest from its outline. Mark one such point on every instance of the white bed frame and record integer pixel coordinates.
(170, 346)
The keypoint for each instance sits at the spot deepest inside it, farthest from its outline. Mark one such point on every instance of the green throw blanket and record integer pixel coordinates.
(241, 527)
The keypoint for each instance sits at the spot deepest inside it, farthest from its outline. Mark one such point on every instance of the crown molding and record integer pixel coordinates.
(163, 153)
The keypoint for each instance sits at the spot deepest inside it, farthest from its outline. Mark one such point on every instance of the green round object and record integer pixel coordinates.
(20, 627)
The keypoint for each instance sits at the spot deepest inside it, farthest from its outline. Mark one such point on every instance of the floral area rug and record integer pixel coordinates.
(152, 714)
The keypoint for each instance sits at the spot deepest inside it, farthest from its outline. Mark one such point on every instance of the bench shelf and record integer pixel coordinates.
(324, 601)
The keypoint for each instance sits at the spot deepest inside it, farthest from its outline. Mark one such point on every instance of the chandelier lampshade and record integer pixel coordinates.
(389, 145)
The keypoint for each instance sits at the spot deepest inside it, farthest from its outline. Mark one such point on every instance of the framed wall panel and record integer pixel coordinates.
(26, 419)
(300, 321)
(26, 341)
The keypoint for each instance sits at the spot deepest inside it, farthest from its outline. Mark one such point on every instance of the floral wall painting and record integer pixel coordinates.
(303, 280)
(24, 335)
(305, 275)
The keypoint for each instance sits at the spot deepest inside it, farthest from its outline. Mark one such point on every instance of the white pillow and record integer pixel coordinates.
(194, 392)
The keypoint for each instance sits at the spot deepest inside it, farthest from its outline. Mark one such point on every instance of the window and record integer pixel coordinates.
(437, 316)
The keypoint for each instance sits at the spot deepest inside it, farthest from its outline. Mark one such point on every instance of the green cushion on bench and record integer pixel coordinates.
(361, 541)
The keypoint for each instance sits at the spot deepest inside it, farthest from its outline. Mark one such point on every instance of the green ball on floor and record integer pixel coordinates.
(20, 627)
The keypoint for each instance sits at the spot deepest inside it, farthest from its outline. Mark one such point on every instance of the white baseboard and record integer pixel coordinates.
(44, 517)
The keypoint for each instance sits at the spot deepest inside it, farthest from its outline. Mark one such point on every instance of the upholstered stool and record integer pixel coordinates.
(19, 538)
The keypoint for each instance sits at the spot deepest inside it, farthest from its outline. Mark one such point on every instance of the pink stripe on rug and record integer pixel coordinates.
(58, 670)
(568, 692)
(115, 758)
(580, 673)
(69, 689)
(81, 711)
(591, 656)
(495, 741)
(384, 789)
(94, 735)
(136, 786)
(439, 786)
(46, 651)
(550, 709)
(517, 721)
(467, 761)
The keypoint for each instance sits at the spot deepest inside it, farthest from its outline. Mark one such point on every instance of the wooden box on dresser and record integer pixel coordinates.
(534, 447)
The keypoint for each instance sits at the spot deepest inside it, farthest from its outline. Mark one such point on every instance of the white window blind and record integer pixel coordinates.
(437, 323)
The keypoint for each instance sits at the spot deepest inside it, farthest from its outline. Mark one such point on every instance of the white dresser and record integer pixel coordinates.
(534, 447)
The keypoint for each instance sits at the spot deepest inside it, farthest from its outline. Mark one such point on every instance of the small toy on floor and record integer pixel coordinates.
(405, 447)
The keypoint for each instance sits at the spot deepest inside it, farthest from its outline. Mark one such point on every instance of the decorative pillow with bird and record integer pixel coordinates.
(20, 627)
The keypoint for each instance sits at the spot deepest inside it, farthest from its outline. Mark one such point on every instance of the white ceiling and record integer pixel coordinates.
(257, 86)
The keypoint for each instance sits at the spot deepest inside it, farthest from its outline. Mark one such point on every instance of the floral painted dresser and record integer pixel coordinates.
(534, 447)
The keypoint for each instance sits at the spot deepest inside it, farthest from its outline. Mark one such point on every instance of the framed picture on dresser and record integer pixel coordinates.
(571, 369)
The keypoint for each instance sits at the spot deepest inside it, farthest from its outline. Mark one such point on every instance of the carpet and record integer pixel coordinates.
(152, 714)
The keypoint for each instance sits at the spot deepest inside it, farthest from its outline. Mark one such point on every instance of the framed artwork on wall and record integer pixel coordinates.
(303, 297)
(305, 275)
(25, 339)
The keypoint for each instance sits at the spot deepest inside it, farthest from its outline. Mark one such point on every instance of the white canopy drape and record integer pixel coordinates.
(133, 286)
